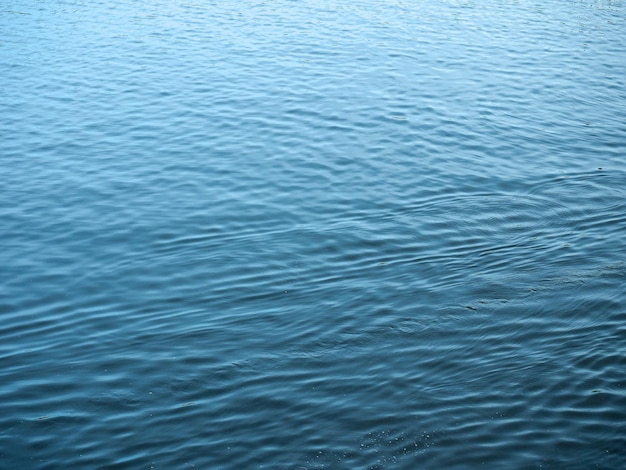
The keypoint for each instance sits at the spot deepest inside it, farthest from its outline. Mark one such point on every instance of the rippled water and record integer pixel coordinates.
(313, 234)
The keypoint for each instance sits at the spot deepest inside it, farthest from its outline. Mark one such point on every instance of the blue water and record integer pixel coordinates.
(313, 234)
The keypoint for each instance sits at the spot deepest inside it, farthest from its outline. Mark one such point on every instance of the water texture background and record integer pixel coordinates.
(313, 234)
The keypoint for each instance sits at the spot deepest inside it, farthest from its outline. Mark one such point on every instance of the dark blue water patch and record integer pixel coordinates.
(311, 235)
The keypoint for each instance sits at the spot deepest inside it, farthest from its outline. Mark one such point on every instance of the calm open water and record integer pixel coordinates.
(313, 234)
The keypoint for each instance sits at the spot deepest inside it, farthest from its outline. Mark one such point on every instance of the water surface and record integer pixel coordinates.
(313, 234)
